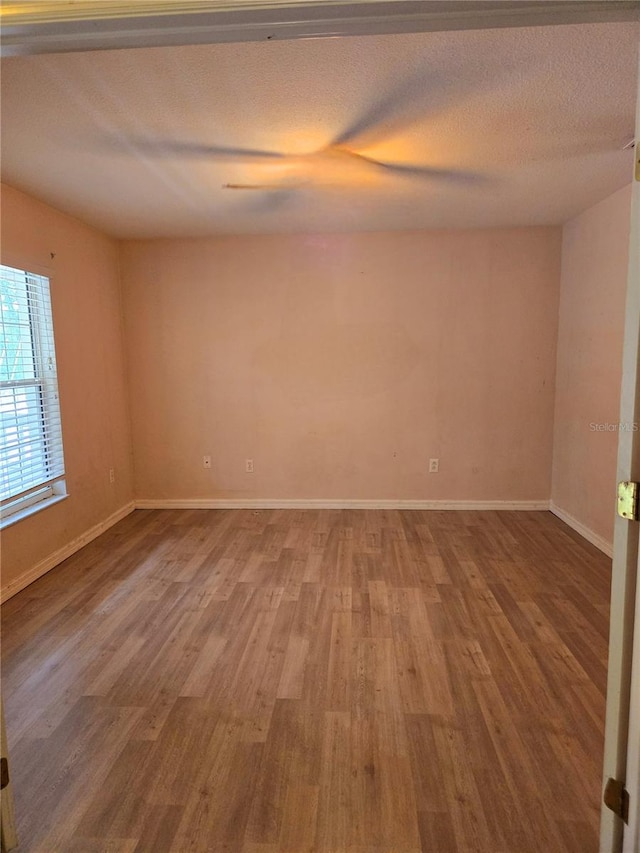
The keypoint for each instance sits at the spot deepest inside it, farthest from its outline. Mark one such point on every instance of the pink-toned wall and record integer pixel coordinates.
(340, 364)
(86, 304)
(595, 250)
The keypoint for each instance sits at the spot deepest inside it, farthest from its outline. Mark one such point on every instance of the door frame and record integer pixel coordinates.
(631, 834)
(8, 837)
(622, 731)
(62, 25)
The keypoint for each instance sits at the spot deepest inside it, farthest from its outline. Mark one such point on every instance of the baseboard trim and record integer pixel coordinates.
(79, 542)
(318, 503)
(588, 534)
(61, 554)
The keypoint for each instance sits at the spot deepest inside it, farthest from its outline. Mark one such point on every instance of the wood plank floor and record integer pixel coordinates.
(312, 682)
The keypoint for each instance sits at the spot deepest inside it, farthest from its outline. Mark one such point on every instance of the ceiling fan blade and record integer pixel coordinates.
(442, 82)
(265, 203)
(264, 187)
(386, 111)
(266, 200)
(271, 188)
(177, 148)
(222, 152)
(425, 172)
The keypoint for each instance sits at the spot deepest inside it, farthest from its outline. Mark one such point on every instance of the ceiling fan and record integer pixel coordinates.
(331, 165)
(339, 162)
(335, 164)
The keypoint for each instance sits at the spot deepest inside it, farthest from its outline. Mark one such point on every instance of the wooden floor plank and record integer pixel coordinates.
(321, 681)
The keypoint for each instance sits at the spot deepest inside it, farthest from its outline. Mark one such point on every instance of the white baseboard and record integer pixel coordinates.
(61, 554)
(319, 503)
(79, 542)
(588, 534)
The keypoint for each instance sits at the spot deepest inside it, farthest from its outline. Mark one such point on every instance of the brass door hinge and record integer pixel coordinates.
(616, 798)
(4, 773)
(629, 500)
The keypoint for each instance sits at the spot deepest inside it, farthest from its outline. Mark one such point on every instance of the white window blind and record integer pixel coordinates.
(31, 455)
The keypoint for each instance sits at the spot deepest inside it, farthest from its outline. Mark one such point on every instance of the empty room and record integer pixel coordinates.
(318, 377)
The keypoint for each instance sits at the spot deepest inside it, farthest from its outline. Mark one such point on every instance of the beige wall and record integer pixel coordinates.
(340, 364)
(595, 250)
(86, 304)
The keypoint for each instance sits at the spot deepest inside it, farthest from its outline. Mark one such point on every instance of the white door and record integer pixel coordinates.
(622, 734)
(8, 839)
(632, 830)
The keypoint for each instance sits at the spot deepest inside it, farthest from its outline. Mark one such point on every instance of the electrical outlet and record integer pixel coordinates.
(112, 475)
(434, 466)
(248, 466)
(206, 462)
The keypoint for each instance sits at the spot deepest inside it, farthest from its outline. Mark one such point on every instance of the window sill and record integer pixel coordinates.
(8, 520)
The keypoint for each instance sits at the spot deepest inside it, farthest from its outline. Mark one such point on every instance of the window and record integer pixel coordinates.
(31, 457)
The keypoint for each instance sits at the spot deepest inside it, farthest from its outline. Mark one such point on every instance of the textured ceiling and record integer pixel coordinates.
(482, 128)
